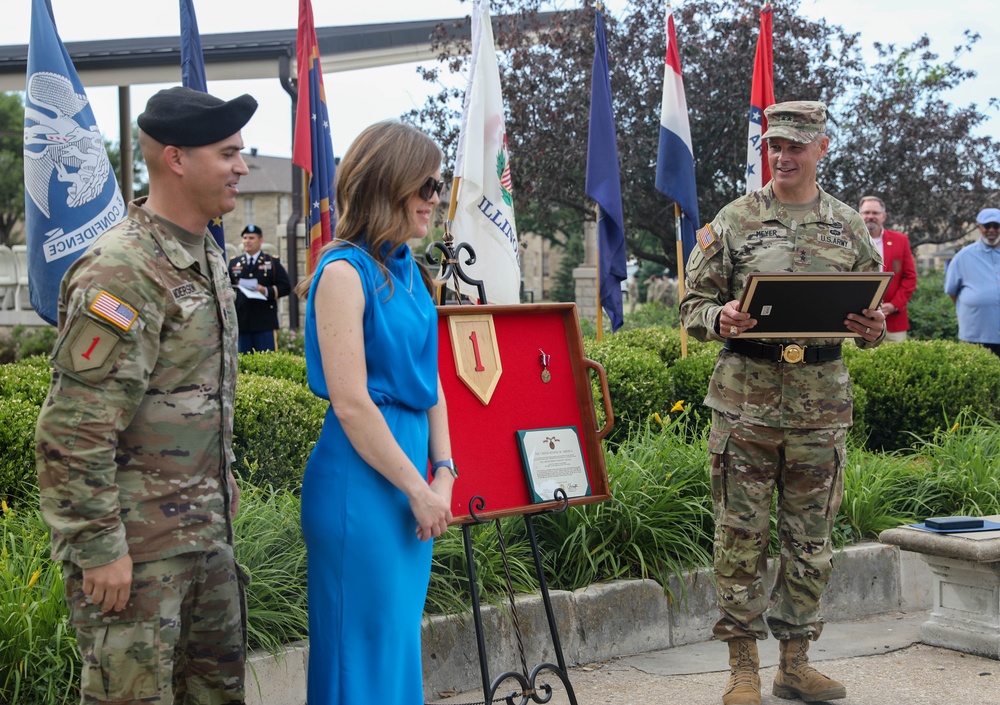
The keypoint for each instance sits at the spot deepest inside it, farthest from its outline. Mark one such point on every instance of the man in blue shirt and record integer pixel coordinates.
(972, 280)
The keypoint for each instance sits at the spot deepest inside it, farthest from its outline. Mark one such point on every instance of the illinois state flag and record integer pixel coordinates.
(70, 192)
(604, 183)
(193, 76)
(761, 96)
(312, 148)
(675, 158)
(484, 214)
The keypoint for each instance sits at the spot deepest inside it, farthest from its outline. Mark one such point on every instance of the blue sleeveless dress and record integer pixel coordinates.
(368, 572)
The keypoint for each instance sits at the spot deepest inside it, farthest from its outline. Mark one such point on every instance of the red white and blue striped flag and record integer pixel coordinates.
(312, 149)
(761, 96)
(675, 158)
(193, 76)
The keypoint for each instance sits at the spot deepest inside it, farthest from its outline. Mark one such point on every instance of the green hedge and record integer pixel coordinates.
(691, 375)
(639, 384)
(916, 387)
(275, 427)
(931, 311)
(280, 365)
(27, 379)
(23, 386)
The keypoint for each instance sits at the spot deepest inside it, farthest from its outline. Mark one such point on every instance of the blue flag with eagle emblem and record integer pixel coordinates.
(70, 193)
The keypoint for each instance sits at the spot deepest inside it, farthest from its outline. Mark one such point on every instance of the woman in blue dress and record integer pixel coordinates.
(369, 513)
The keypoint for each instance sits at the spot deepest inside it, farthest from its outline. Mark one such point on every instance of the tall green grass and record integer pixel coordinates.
(39, 662)
(657, 522)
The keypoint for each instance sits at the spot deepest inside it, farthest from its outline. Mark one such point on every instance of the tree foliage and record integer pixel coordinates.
(902, 140)
(893, 132)
(11, 164)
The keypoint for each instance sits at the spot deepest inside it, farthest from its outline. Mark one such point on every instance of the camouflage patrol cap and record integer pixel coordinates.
(184, 117)
(796, 120)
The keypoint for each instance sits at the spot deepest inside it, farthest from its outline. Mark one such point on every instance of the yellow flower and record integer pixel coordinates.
(657, 419)
(679, 406)
(954, 428)
(3, 505)
(34, 577)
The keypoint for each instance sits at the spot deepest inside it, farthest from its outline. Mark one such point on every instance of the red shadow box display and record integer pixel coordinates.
(506, 370)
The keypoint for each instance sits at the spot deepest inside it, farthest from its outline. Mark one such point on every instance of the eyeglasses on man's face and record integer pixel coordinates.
(990, 226)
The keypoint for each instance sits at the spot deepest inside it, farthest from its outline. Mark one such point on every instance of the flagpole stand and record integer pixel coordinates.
(531, 687)
(451, 265)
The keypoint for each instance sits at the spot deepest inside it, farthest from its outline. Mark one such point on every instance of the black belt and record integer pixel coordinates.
(787, 352)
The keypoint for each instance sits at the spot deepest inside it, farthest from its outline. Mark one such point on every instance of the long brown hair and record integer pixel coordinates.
(380, 172)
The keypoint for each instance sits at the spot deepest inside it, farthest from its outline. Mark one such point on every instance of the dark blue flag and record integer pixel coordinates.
(604, 182)
(193, 76)
(70, 192)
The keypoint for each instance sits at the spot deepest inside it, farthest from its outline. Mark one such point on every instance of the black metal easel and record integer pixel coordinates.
(528, 681)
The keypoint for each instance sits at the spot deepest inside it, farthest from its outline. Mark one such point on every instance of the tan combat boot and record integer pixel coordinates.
(744, 683)
(797, 679)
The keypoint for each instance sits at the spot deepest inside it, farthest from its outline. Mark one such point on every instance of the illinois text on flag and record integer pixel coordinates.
(604, 182)
(71, 195)
(312, 149)
(675, 158)
(484, 215)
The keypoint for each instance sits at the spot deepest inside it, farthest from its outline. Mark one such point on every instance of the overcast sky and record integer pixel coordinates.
(359, 98)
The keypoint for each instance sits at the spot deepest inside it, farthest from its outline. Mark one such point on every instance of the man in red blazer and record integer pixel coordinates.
(898, 259)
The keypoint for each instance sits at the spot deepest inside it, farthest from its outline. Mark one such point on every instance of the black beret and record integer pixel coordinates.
(184, 117)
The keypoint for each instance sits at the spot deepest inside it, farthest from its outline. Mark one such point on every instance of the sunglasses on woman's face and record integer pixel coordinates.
(431, 186)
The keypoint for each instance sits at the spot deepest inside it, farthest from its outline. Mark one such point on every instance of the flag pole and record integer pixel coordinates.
(597, 251)
(680, 275)
(597, 269)
(440, 284)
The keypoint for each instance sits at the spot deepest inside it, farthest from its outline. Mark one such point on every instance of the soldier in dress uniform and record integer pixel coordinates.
(260, 281)
(780, 409)
(134, 441)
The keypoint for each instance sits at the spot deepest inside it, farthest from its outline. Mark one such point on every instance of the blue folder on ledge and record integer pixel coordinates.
(954, 525)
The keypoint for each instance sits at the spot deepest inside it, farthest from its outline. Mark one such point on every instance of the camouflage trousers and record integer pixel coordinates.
(181, 639)
(748, 463)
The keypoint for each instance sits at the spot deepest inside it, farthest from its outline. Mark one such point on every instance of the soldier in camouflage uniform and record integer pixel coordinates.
(777, 421)
(133, 443)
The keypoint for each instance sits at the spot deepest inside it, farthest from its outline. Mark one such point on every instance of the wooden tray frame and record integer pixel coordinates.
(492, 481)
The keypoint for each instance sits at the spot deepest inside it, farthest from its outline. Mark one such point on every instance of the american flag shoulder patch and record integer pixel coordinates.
(706, 238)
(114, 310)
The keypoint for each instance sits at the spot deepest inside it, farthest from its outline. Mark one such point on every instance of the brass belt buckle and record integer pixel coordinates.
(792, 353)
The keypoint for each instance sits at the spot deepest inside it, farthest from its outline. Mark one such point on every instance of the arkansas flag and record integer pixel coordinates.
(675, 158)
(761, 96)
(484, 213)
(312, 148)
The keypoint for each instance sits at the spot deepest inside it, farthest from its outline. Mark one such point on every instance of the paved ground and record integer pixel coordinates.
(881, 660)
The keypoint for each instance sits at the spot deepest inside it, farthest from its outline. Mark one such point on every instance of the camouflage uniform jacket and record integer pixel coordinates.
(133, 443)
(755, 233)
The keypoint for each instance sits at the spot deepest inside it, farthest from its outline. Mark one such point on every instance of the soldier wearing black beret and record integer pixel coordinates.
(134, 445)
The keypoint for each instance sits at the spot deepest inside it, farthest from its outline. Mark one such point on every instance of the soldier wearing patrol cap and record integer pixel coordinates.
(780, 409)
(133, 444)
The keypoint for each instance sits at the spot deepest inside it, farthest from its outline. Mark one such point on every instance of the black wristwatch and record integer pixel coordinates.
(449, 463)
